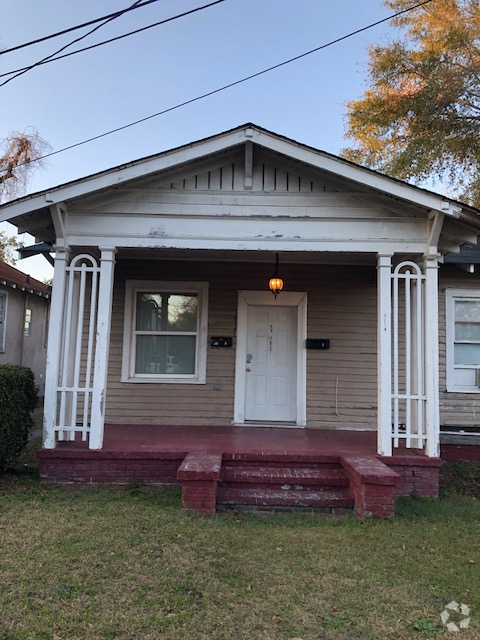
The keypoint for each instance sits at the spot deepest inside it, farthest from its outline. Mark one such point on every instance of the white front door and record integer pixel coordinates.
(271, 364)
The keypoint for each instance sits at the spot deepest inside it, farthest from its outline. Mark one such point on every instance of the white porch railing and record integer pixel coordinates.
(78, 346)
(408, 349)
(407, 344)
(74, 393)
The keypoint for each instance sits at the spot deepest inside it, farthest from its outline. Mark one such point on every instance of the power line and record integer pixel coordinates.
(231, 84)
(125, 35)
(78, 26)
(85, 35)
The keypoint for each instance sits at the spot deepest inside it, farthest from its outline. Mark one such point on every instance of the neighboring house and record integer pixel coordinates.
(162, 314)
(24, 308)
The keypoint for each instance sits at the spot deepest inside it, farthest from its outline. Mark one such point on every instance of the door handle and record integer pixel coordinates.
(248, 369)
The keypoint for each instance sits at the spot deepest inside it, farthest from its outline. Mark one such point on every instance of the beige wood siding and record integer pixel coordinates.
(341, 389)
(341, 381)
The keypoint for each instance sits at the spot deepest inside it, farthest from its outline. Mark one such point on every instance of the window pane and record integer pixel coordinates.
(166, 311)
(165, 355)
(27, 325)
(467, 331)
(467, 311)
(465, 378)
(467, 354)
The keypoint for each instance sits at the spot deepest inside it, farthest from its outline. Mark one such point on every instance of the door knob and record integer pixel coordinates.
(248, 369)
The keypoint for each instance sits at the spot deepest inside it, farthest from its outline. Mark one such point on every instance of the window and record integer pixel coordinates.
(27, 325)
(165, 337)
(463, 340)
(3, 320)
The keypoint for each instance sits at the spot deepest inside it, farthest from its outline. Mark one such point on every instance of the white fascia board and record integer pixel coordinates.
(361, 175)
(122, 174)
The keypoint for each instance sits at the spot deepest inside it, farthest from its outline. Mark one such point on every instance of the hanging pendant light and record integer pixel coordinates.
(276, 283)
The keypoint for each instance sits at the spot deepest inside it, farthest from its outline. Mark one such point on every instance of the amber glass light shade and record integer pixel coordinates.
(275, 283)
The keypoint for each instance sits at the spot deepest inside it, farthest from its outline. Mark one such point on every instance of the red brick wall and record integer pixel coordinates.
(415, 479)
(460, 453)
(57, 469)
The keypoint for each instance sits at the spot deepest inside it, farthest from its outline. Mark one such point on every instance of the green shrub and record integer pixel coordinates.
(18, 398)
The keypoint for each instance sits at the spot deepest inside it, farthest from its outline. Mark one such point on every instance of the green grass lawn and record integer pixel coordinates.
(127, 563)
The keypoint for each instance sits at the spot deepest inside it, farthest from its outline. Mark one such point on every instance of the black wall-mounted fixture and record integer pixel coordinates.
(220, 341)
(317, 343)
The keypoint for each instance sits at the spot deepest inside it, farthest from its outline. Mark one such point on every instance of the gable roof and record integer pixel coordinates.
(16, 279)
(20, 211)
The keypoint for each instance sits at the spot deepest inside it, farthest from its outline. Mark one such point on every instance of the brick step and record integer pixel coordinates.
(282, 463)
(274, 497)
(284, 475)
(282, 460)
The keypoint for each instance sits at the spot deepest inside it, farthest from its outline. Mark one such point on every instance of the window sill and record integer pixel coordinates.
(162, 381)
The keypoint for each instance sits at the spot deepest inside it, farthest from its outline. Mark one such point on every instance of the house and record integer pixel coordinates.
(170, 359)
(24, 308)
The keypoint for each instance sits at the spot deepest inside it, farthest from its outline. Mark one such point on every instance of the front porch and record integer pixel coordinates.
(324, 470)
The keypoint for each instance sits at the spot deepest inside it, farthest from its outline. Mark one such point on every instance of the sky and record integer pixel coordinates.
(110, 86)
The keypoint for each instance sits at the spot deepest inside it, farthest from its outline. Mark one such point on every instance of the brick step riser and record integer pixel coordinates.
(269, 497)
(284, 475)
(264, 462)
(284, 487)
(229, 480)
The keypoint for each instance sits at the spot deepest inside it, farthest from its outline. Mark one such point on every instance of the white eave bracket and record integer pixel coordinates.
(435, 224)
(59, 213)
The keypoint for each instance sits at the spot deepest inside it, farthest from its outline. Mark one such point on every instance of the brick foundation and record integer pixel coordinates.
(460, 453)
(417, 475)
(56, 465)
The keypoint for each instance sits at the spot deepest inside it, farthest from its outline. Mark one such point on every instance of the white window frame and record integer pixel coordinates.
(3, 331)
(451, 296)
(132, 287)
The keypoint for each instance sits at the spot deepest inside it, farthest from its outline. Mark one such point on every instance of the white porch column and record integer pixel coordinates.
(384, 354)
(104, 315)
(432, 418)
(54, 347)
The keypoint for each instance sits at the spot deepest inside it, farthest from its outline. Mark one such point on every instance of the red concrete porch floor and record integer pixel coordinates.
(234, 440)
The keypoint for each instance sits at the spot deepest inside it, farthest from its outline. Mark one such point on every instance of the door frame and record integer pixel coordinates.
(296, 299)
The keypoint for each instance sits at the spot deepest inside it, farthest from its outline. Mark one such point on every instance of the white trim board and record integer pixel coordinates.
(131, 287)
(452, 295)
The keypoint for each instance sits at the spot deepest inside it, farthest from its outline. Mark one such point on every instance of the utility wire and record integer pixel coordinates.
(99, 44)
(232, 84)
(85, 35)
(78, 26)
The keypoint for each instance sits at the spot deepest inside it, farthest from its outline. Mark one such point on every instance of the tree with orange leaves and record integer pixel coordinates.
(420, 116)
